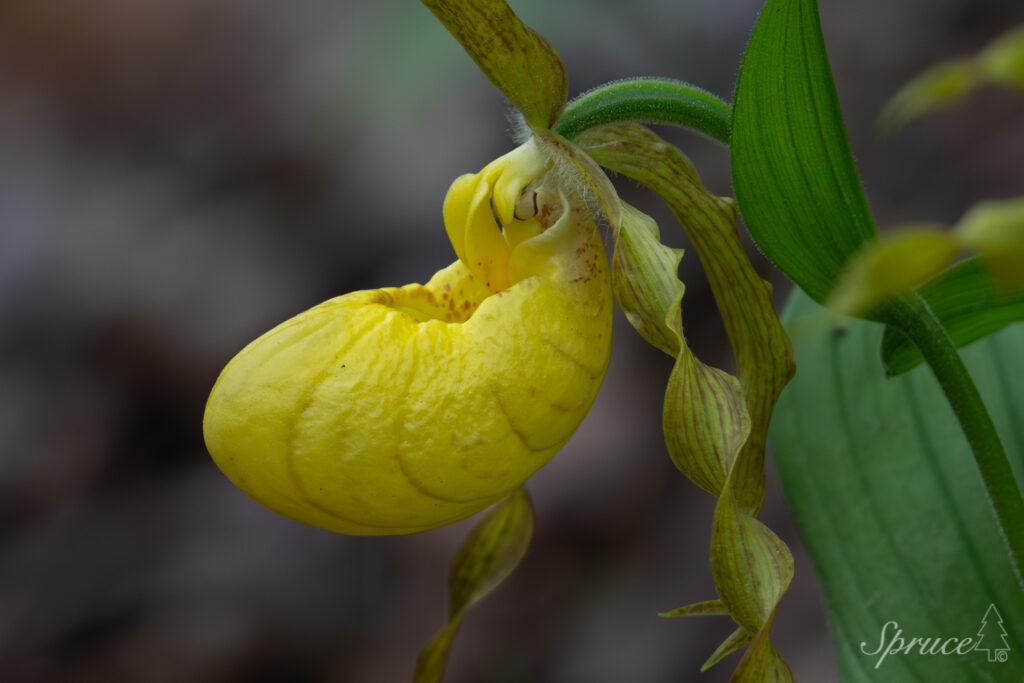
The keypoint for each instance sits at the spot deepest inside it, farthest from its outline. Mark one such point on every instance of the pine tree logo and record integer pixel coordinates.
(992, 636)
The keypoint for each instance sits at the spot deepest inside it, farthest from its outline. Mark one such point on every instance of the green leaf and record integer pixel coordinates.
(969, 306)
(518, 60)
(890, 503)
(792, 168)
(486, 558)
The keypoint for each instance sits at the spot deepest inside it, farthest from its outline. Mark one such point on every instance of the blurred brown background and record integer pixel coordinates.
(177, 177)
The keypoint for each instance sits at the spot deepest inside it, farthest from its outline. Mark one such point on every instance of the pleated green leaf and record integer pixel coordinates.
(489, 554)
(890, 504)
(793, 171)
(518, 60)
(969, 306)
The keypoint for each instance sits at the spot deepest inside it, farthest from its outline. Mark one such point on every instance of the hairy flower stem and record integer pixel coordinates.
(648, 100)
(914, 317)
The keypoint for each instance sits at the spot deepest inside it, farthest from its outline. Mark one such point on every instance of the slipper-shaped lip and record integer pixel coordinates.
(402, 409)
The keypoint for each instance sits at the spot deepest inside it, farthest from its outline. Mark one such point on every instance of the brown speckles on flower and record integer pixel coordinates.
(422, 304)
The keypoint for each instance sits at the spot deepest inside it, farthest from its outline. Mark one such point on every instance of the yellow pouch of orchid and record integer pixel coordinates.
(402, 409)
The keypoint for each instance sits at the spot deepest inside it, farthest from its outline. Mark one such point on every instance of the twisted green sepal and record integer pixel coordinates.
(490, 553)
(715, 424)
(706, 419)
(518, 60)
(648, 100)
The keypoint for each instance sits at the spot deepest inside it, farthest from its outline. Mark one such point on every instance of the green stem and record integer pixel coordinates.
(649, 100)
(915, 318)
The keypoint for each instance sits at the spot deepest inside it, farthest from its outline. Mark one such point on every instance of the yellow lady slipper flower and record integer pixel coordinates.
(401, 409)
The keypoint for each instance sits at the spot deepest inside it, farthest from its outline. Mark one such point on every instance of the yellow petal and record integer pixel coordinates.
(456, 211)
(475, 204)
(521, 167)
(401, 409)
(487, 252)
